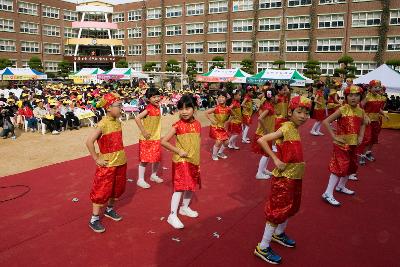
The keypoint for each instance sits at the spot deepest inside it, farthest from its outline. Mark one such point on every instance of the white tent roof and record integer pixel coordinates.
(388, 76)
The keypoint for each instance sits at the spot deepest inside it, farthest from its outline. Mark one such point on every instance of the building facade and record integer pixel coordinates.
(261, 30)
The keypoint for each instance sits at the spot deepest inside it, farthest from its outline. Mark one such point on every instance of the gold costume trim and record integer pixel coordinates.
(190, 143)
(292, 171)
(152, 124)
(115, 158)
(109, 125)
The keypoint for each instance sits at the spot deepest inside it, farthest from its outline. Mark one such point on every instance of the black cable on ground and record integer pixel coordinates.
(18, 196)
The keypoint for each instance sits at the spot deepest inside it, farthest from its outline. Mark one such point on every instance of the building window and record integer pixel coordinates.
(153, 13)
(153, 31)
(331, 21)
(70, 15)
(297, 45)
(13, 63)
(51, 66)
(6, 25)
(173, 11)
(51, 48)
(301, 22)
(299, 66)
(365, 19)
(217, 27)
(118, 17)
(216, 47)
(267, 4)
(243, 25)
(119, 50)
(211, 63)
(299, 3)
(269, 24)
(198, 67)
(25, 63)
(328, 68)
(235, 65)
(118, 34)
(365, 44)
(50, 12)
(218, 7)
(135, 15)
(173, 49)
(195, 28)
(94, 17)
(242, 5)
(326, 2)
(51, 30)
(241, 46)
(134, 50)
(264, 66)
(7, 46)
(28, 8)
(172, 30)
(393, 43)
(153, 49)
(69, 50)
(6, 5)
(194, 9)
(135, 33)
(268, 46)
(395, 17)
(29, 27)
(30, 47)
(364, 67)
(136, 66)
(70, 33)
(194, 48)
(329, 45)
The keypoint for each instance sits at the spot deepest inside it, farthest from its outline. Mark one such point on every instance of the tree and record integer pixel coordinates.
(4, 63)
(149, 66)
(217, 62)
(191, 69)
(122, 64)
(173, 66)
(35, 63)
(347, 70)
(247, 65)
(64, 68)
(280, 63)
(312, 69)
(394, 63)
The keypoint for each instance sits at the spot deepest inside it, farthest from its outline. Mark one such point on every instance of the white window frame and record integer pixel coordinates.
(70, 15)
(32, 50)
(219, 46)
(135, 15)
(7, 5)
(51, 66)
(28, 8)
(135, 50)
(396, 13)
(264, 65)
(393, 41)
(331, 2)
(173, 30)
(118, 17)
(242, 5)
(328, 42)
(53, 29)
(295, 65)
(195, 48)
(52, 48)
(8, 43)
(221, 7)
(155, 31)
(196, 30)
(118, 34)
(331, 19)
(368, 15)
(69, 50)
(137, 66)
(173, 11)
(242, 25)
(134, 33)
(50, 12)
(361, 70)
(297, 3)
(33, 28)
(155, 49)
(270, 4)
(298, 41)
(120, 50)
(268, 46)
(246, 46)
(153, 13)
(363, 41)
(194, 9)
(328, 68)
(223, 28)
(302, 22)
(70, 32)
(173, 48)
(7, 25)
(273, 22)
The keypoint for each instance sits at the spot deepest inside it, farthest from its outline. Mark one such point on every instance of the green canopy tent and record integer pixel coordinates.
(277, 76)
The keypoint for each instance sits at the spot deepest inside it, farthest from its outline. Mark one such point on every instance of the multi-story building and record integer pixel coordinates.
(155, 31)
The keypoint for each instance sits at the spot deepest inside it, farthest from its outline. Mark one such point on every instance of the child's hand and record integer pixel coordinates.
(339, 140)
(367, 120)
(279, 164)
(359, 140)
(146, 135)
(101, 162)
(386, 116)
(183, 154)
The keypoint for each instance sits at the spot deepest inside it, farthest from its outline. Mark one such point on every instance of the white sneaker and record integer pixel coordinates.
(155, 178)
(345, 190)
(314, 133)
(319, 133)
(188, 212)
(174, 221)
(353, 177)
(330, 199)
(233, 147)
(274, 148)
(55, 132)
(143, 184)
(262, 176)
(222, 156)
(214, 157)
(267, 172)
(247, 141)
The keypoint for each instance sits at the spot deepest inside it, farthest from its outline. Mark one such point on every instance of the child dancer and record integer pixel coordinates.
(281, 105)
(235, 124)
(319, 113)
(185, 161)
(217, 129)
(349, 133)
(110, 178)
(266, 123)
(286, 183)
(149, 140)
(333, 99)
(247, 105)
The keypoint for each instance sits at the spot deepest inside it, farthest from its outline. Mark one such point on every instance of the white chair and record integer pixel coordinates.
(41, 126)
(25, 123)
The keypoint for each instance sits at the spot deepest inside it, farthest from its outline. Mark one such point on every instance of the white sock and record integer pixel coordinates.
(331, 184)
(262, 164)
(318, 127)
(245, 130)
(343, 181)
(94, 218)
(221, 149)
(232, 140)
(267, 236)
(314, 128)
(175, 200)
(266, 164)
(142, 170)
(281, 228)
(154, 168)
(215, 150)
(187, 196)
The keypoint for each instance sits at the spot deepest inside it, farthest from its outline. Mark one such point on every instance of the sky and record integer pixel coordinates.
(115, 2)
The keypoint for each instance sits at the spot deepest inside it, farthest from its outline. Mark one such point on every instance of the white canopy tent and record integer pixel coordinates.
(388, 76)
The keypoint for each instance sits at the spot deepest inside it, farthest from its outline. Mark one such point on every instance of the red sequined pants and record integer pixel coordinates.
(343, 161)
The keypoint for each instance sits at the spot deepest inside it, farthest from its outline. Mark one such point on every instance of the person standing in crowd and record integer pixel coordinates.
(247, 105)
(319, 112)
(235, 124)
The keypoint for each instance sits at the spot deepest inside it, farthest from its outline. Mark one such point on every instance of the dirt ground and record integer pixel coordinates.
(33, 150)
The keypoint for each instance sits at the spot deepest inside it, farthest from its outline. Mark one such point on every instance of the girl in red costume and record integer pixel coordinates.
(319, 113)
(235, 124)
(247, 105)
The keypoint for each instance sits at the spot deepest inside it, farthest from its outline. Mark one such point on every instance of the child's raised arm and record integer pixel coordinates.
(337, 114)
(208, 115)
(263, 142)
(165, 143)
(90, 146)
(138, 120)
